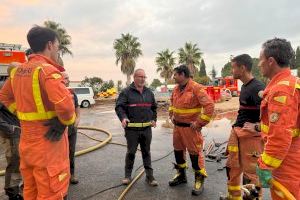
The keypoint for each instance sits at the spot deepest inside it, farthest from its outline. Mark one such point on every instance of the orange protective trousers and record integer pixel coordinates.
(244, 149)
(44, 165)
(186, 138)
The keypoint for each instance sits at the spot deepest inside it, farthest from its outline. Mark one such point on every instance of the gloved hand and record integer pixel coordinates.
(264, 176)
(56, 129)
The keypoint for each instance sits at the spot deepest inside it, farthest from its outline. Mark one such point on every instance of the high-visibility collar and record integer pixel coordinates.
(44, 59)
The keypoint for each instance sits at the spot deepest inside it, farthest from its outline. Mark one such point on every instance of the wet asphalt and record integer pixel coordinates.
(104, 168)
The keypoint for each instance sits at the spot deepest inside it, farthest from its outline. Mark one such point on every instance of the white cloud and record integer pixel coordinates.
(220, 28)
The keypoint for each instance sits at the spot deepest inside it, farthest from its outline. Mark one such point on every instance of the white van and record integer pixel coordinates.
(85, 96)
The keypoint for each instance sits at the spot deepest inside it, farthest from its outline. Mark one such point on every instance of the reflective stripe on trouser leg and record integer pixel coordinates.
(233, 167)
(196, 167)
(233, 151)
(234, 181)
(191, 140)
(179, 147)
(250, 149)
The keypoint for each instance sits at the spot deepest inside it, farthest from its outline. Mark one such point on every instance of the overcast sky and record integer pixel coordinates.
(220, 28)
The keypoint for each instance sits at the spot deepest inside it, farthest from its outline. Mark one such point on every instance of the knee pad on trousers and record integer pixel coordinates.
(179, 157)
(195, 161)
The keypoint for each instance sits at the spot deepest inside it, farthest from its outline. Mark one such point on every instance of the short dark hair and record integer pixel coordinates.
(182, 69)
(38, 37)
(243, 59)
(280, 49)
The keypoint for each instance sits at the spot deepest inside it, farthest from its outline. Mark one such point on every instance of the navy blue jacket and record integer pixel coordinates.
(135, 106)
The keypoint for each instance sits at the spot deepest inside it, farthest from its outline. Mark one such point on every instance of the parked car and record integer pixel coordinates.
(85, 96)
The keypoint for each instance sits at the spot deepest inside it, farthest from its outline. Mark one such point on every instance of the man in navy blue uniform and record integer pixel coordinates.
(136, 109)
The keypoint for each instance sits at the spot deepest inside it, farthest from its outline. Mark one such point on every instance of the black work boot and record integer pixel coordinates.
(180, 176)
(199, 184)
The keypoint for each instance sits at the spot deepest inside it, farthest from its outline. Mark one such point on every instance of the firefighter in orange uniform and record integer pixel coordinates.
(36, 94)
(244, 145)
(191, 109)
(280, 119)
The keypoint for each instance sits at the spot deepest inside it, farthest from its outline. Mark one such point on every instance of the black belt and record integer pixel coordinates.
(181, 124)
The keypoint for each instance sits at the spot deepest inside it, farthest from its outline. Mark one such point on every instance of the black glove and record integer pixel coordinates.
(56, 129)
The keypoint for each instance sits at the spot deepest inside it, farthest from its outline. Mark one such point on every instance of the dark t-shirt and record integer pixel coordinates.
(249, 110)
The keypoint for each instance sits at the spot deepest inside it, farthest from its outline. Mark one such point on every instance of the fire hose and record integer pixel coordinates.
(282, 191)
(98, 146)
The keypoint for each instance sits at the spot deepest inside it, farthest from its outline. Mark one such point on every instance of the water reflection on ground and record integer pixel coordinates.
(219, 130)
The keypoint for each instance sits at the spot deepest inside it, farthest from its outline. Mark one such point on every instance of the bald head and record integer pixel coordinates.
(137, 71)
(139, 78)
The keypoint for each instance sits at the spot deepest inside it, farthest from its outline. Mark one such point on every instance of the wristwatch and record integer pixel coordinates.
(257, 127)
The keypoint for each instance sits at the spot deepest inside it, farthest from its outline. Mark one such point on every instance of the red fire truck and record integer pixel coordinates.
(9, 53)
(228, 82)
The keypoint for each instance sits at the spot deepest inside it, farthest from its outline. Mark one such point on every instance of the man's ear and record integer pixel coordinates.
(243, 67)
(49, 45)
(271, 61)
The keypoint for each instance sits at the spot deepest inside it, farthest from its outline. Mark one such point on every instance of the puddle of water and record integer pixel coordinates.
(219, 130)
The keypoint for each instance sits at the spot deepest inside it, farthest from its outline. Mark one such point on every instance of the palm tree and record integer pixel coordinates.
(128, 49)
(165, 62)
(64, 38)
(191, 56)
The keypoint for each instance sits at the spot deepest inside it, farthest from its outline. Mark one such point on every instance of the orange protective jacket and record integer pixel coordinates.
(35, 93)
(192, 104)
(280, 123)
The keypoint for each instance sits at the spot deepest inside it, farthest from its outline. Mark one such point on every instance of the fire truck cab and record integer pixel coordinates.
(228, 82)
(10, 53)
